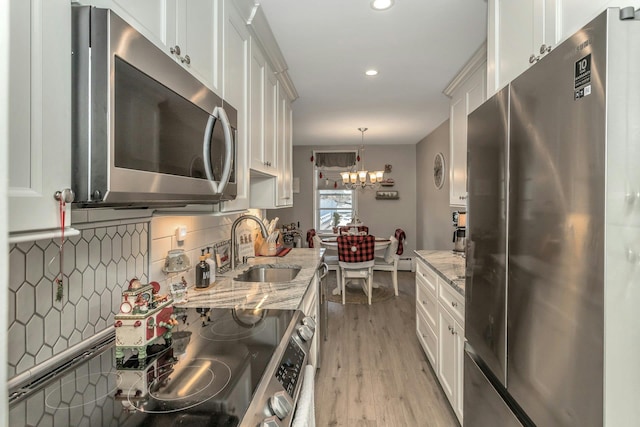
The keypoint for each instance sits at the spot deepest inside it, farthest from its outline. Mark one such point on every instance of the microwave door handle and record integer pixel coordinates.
(218, 113)
(228, 145)
(206, 153)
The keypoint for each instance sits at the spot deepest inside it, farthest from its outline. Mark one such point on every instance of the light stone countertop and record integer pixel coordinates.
(448, 264)
(228, 293)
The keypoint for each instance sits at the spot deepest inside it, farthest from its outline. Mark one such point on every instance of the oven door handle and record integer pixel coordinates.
(218, 114)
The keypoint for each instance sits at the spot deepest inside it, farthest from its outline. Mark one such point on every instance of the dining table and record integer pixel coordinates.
(331, 243)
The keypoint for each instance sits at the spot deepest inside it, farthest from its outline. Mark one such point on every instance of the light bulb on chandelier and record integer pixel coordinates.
(358, 180)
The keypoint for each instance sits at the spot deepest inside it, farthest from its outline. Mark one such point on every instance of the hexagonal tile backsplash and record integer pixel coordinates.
(97, 265)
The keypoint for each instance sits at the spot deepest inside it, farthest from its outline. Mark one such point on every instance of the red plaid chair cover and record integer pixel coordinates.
(356, 248)
(347, 229)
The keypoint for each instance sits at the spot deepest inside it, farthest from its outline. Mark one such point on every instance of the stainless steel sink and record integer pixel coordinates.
(269, 273)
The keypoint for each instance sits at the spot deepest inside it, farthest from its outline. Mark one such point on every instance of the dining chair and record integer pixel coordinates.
(389, 262)
(356, 259)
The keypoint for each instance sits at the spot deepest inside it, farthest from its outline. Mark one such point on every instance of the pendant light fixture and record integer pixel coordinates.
(358, 180)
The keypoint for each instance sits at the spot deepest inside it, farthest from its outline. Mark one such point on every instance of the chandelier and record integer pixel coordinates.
(358, 180)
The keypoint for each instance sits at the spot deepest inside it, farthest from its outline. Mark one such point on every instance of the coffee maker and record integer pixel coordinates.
(460, 232)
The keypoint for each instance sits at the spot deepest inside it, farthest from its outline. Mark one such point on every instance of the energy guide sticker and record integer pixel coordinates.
(582, 77)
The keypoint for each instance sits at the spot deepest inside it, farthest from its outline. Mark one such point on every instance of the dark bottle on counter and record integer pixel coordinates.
(202, 272)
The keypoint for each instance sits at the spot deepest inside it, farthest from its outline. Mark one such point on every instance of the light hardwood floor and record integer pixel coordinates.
(373, 371)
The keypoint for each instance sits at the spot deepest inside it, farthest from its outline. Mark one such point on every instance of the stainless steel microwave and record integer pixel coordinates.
(145, 131)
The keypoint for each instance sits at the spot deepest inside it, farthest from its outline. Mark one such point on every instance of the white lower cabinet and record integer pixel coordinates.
(440, 330)
(427, 337)
(447, 354)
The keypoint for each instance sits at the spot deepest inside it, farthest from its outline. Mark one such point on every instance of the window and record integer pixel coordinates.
(335, 208)
(334, 204)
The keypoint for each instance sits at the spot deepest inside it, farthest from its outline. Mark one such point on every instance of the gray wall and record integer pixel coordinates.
(382, 216)
(434, 228)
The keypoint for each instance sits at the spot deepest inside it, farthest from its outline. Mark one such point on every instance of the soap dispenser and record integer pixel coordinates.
(202, 272)
(212, 265)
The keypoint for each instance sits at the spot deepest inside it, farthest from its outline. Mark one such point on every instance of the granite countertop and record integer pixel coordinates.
(228, 293)
(448, 264)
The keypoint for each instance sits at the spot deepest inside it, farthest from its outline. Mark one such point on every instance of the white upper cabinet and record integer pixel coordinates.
(235, 92)
(522, 32)
(262, 106)
(39, 113)
(467, 91)
(271, 192)
(199, 38)
(190, 31)
(270, 114)
(285, 180)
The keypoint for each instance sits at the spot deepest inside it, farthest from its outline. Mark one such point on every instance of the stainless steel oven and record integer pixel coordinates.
(145, 131)
(220, 367)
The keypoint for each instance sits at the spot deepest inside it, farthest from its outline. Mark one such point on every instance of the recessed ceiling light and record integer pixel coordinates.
(371, 72)
(381, 4)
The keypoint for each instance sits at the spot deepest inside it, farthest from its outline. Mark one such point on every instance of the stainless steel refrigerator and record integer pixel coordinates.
(551, 286)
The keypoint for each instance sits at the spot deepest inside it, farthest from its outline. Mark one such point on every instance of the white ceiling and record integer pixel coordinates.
(417, 46)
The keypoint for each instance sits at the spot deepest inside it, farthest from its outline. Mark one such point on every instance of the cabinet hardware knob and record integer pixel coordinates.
(65, 195)
(186, 60)
(533, 59)
(454, 304)
(544, 49)
(175, 50)
(424, 302)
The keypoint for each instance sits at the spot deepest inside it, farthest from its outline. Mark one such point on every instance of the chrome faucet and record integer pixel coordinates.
(263, 230)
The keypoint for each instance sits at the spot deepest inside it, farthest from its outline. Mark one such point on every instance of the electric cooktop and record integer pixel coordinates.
(206, 374)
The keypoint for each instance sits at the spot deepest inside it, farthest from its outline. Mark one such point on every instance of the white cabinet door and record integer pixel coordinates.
(447, 365)
(190, 31)
(465, 99)
(235, 92)
(155, 19)
(427, 338)
(270, 115)
(260, 159)
(519, 33)
(199, 35)
(39, 112)
(514, 39)
(285, 180)
(451, 359)
(458, 407)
